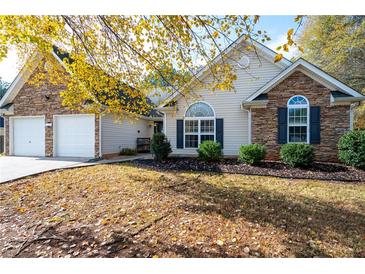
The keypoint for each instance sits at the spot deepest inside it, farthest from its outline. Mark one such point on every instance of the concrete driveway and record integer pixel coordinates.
(15, 167)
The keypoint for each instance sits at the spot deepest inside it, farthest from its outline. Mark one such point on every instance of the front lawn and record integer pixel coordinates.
(126, 211)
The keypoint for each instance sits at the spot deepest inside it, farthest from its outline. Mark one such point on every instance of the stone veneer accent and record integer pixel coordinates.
(31, 101)
(335, 120)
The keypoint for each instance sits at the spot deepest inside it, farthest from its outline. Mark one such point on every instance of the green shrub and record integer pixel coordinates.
(252, 154)
(351, 148)
(210, 151)
(128, 151)
(297, 155)
(160, 146)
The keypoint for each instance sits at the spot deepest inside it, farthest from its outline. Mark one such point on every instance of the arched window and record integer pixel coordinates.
(199, 109)
(298, 119)
(199, 124)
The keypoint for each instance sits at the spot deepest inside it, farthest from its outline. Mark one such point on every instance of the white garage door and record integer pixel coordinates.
(28, 136)
(75, 135)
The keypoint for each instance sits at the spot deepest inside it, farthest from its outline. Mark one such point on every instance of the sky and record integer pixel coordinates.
(276, 27)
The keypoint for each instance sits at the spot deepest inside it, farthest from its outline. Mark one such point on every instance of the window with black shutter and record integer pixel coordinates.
(282, 125)
(315, 125)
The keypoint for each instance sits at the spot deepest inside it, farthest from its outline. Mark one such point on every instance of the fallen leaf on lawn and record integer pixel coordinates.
(64, 206)
(55, 219)
(21, 209)
(104, 221)
(29, 188)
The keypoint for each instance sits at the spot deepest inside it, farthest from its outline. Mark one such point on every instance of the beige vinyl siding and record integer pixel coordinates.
(227, 106)
(118, 134)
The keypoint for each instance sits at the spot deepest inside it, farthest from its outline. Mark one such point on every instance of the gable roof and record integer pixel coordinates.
(20, 80)
(264, 51)
(314, 72)
(61, 56)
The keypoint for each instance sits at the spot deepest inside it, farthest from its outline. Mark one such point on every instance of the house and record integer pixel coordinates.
(273, 104)
(36, 124)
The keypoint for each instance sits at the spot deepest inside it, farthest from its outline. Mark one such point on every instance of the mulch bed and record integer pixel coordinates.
(318, 171)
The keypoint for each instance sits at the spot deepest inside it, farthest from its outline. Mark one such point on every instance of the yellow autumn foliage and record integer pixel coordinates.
(109, 60)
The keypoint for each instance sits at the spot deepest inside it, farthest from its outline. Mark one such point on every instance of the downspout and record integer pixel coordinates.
(164, 127)
(6, 131)
(352, 108)
(249, 124)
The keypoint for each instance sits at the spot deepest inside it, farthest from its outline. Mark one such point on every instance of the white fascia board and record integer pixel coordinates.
(272, 83)
(271, 54)
(23, 76)
(9, 111)
(59, 60)
(306, 68)
(20, 80)
(166, 101)
(266, 52)
(325, 76)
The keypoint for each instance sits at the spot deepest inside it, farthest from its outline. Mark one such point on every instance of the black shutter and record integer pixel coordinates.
(282, 125)
(179, 133)
(315, 125)
(219, 131)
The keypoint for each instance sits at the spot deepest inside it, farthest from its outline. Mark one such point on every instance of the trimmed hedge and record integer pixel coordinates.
(210, 151)
(297, 155)
(160, 146)
(351, 148)
(252, 154)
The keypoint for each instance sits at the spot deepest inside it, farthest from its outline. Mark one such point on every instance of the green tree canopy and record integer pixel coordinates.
(337, 45)
(3, 87)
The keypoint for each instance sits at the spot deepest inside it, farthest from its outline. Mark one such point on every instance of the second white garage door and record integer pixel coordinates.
(75, 135)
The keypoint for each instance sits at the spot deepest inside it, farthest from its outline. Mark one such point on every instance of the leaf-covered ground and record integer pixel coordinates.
(124, 211)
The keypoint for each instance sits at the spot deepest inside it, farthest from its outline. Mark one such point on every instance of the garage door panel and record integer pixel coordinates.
(75, 136)
(29, 136)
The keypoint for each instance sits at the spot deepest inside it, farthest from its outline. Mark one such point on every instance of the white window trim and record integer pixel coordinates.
(308, 122)
(199, 133)
(199, 119)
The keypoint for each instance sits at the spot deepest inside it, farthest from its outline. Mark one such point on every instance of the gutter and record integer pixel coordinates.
(254, 104)
(346, 100)
(349, 99)
(163, 109)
